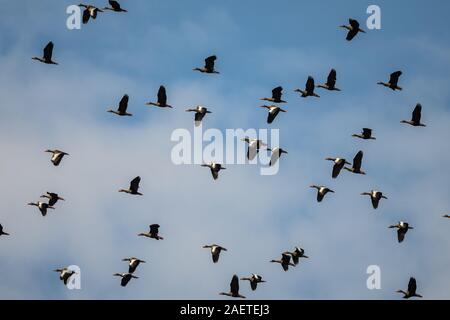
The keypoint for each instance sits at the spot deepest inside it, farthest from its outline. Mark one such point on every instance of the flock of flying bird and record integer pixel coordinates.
(254, 145)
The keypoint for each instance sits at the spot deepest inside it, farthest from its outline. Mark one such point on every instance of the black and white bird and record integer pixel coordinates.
(276, 154)
(209, 65)
(2, 232)
(357, 162)
(52, 198)
(375, 197)
(339, 163)
(393, 81)
(153, 232)
(89, 12)
(114, 6)
(321, 192)
(273, 112)
(162, 99)
(276, 95)
(200, 112)
(234, 289)
(402, 229)
(134, 187)
(411, 292)
(309, 89)
(65, 274)
(297, 254)
(47, 57)
(331, 82)
(285, 261)
(133, 263)
(215, 168)
(366, 134)
(215, 251)
(57, 156)
(416, 116)
(254, 145)
(42, 207)
(353, 29)
(122, 109)
(254, 279)
(126, 277)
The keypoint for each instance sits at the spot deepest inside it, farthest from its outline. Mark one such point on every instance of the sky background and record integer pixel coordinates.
(260, 45)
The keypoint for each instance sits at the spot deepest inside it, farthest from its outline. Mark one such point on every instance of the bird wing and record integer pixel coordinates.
(412, 285)
(215, 174)
(274, 157)
(114, 4)
(351, 34)
(252, 151)
(162, 97)
(310, 84)
(354, 24)
(48, 51)
(375, 202)
(336, 170)
(285, 258)
(331, 80)
(209, 63)
(357, 160)
(272, 115)
(86, 16)
(417, 113)
(400, 235)
(215, 256)
(393, 79)
(320, 196)
(253, 285)
(199, 116)
(367, 132)
(125, 280)
(234, 285)
(276, 93)
(134, 184)
(123, 104)
(154, 228)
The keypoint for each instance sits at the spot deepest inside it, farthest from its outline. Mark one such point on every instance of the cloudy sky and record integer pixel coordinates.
(260, 45)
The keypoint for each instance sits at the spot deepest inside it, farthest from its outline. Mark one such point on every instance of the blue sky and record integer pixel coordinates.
(260, 45)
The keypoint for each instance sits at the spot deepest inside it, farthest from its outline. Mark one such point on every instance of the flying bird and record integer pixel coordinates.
(153, 233)
(276, 95)
(254, 279)
(297, 254)
(134, 187)
(209, 66)
(215, 168)
(253, 147)
(215, 251)
(200, 112)
(276, 154)
(411, 292)
(402, 229)
(393, 81)
(375, 197)
(57, 156)
(52, 198)
(133, 263)
(309, 89)
(42, 207)
(446, 216)
(285, 261)
(89, 12)
(331, 82)
(115, 6)
(353, 29)
(65, 274)
(47, 57)
(126, 277)
(123, 105)
(3, 233)
(234, 289)
(162, 99)
(321, 192)
(366, 134)
(416, 116)
(357, 161)
(339, 163)
(273, 112)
